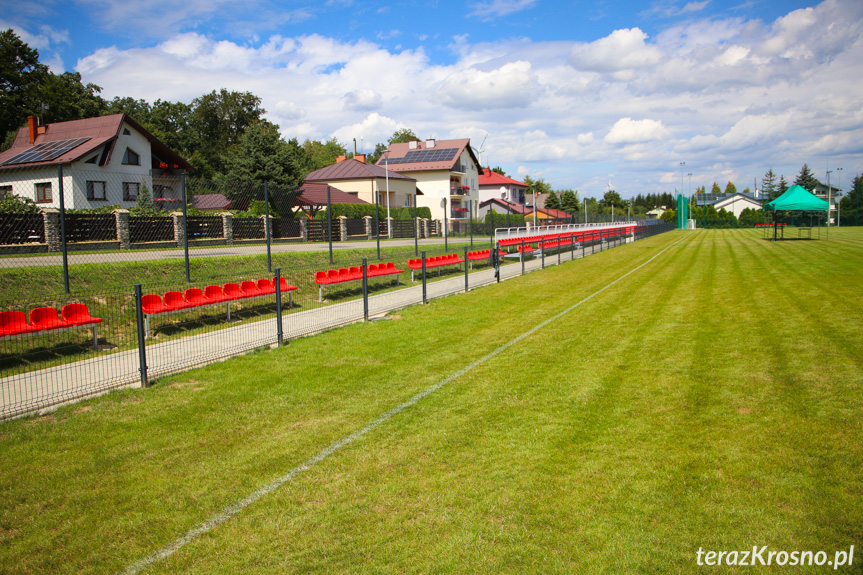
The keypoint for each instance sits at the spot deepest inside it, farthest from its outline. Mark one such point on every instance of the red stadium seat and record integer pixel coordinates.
(214, 294)
(78, 314)
(15, 323)
(47, 318)
(195, 297)
(174, 300)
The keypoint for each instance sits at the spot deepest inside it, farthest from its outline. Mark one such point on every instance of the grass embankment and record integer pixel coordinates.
(712, 399)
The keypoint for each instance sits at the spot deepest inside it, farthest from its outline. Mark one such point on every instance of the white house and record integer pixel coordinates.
(447, 172)
(736, 203)
(105, 160)
(497, 186)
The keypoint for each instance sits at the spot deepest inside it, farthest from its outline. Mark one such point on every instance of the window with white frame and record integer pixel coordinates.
(131, 158)
(95, 190)
(130, 191)
(43, 192)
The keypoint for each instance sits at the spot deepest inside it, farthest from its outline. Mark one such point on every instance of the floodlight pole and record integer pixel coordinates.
(829, 195)
(389, 222)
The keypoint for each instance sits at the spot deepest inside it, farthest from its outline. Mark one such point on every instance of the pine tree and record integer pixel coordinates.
(783, 186)
(730, 189)
(806, 179)
(552, 202)
(715, 189)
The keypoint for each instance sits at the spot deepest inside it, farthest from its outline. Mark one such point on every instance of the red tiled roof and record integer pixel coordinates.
(315, 194)
(489, 178)
(102, 130)
(399, 151)
(513, 207)
(552, 213)
(211, 202)
(352, 169)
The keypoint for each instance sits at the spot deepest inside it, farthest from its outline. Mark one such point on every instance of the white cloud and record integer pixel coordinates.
(623, 50)
(629, 131)
(513, 85)
(497, 8)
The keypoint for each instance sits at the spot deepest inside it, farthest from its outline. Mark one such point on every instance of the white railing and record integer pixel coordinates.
(511, 233)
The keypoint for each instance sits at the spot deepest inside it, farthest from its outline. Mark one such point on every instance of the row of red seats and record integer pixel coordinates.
(355, 273)
(769, 225)
(587, 235)
(71, 315)
(213, 294)
(480, 255)
(435, 261)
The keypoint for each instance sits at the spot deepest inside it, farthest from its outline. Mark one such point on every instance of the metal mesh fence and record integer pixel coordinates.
(62, 348)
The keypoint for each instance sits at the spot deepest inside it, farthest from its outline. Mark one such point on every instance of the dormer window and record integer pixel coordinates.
(126, 132)
(131, 158)
(92, 160)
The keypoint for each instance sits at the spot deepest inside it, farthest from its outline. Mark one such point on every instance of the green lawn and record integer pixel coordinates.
(712, 400)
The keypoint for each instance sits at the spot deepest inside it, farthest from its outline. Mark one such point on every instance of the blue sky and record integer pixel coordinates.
(579, 93)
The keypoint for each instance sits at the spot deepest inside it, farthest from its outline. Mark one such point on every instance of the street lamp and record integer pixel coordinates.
(387, 168)
(839, 203)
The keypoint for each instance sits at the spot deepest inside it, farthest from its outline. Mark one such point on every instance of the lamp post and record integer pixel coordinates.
(829, 199)
(445, 228)
(689, 200)
(839, 202)
(387, 168)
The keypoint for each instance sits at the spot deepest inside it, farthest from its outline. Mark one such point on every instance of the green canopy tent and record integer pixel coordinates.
(796, 199)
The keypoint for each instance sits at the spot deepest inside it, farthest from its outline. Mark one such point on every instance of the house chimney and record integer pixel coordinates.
(31, 125)
(340, 159)
(360, 158)
(430, 143)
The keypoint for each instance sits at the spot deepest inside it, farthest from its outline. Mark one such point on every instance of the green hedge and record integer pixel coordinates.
(356, 211)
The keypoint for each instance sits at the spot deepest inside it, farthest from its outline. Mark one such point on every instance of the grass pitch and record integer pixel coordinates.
(710, 400)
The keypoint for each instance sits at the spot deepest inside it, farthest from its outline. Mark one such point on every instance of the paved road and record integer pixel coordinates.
(37, 390)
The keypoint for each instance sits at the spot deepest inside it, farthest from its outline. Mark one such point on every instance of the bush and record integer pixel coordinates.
(12, 204)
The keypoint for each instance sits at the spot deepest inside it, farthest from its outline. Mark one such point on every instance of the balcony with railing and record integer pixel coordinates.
(459, 190)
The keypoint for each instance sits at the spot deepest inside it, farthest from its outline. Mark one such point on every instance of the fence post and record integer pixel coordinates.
(365, 290)
(367, 222)
(304, 228)
(267, 225)
(280, 334)
(522, 255)
(416, 229)
(465, 271)
(558, 248)
(51, 220)
(63, 246)
(343, 228)
(228, 227)
(424, 277)
(542, 250)
(330, 224)
(121, 223)
(142, 346)
(185, 228)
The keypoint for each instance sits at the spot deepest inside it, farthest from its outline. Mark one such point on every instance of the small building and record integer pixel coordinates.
(313, 198)
(106, 160)
(357, 177)
(501, 207)
(447, 171)
(211, 202)
(736, 203)
(656, 213)
(493, 185)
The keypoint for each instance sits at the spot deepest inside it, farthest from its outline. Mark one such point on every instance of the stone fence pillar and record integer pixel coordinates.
(179, 230)
(124, 236)
(51, 217)
(304, 229)
(343, 228)
(368, 222)
(268, 226)
(228, 227)
(426, 230)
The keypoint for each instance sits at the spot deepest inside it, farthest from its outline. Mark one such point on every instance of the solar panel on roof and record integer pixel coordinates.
(45, 152)
(433, 155)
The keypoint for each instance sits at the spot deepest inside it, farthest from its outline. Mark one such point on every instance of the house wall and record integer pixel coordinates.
(436, 187)
(515, 194)
(736, 205)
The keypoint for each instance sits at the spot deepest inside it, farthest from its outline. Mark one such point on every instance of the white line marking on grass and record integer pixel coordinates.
(234, 509)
